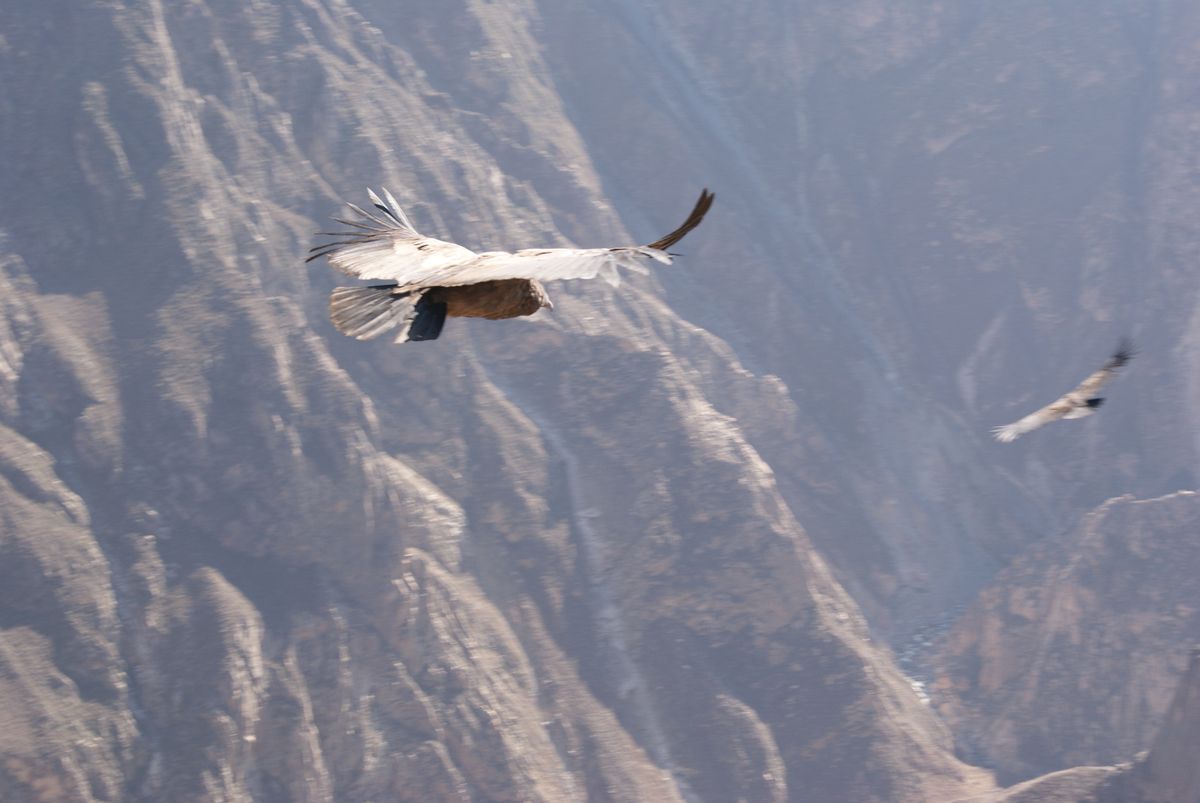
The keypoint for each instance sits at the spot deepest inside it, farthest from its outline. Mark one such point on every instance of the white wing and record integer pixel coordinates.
(549, 264)
(386, 246)
(1010, 432)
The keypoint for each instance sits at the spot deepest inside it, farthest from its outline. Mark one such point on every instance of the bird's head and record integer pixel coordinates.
(543, 297)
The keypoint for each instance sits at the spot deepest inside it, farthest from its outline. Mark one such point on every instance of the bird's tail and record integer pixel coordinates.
(368, 312)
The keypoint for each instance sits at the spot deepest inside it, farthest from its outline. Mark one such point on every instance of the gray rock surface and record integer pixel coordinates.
(1167, 773)
(1170, 771)
(1074, 652)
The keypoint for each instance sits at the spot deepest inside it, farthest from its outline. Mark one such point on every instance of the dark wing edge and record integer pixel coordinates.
(1124, 353)
(693, 220)
(368, 227)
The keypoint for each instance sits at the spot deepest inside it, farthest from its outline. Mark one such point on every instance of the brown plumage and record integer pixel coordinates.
(505, 298)
(428, 280)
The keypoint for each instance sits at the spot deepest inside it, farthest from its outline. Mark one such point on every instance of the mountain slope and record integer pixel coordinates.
(1073, 653)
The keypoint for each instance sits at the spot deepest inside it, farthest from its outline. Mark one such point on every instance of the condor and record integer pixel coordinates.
(1080, 402)
(428, 280)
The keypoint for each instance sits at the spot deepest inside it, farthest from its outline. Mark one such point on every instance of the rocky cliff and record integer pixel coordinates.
(1169, 772)
(1071, 656)
(1165, 774)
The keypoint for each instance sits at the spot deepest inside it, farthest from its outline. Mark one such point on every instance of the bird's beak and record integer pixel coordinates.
(547, 303)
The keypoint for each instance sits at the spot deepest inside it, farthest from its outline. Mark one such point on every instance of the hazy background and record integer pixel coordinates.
(671, 540)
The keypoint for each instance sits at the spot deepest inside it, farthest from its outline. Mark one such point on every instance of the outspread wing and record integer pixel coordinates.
(1051, 412)
(549, 264)
(385, 245)
(1088, 387)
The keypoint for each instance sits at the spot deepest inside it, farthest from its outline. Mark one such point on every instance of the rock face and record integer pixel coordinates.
(1077, 785)
(1072, 655)
(625, 551)
(1170, 771)
(246, 559)
(1166, 774)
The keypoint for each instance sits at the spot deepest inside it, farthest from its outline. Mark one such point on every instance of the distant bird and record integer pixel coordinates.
(428, 280)
(1080, 402)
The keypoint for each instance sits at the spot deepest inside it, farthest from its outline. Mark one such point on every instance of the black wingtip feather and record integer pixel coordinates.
(360, 233)
(1125, 352)
(693, 220)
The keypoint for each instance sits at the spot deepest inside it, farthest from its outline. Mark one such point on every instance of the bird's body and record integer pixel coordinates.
(428, 280)
(494, 300)
(1079, 403)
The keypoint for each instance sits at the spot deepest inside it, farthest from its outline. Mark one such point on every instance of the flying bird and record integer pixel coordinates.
(1080, 402)
(427, 280)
